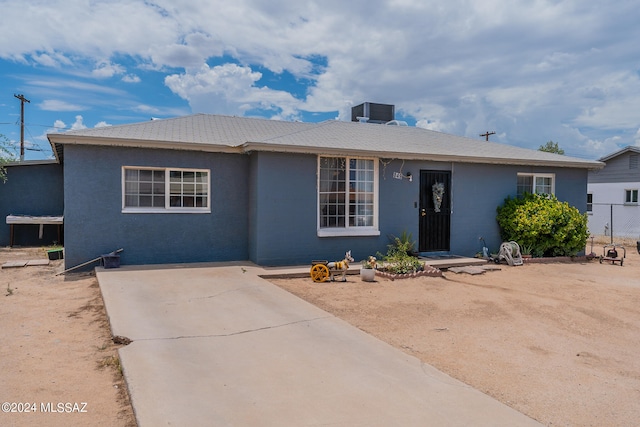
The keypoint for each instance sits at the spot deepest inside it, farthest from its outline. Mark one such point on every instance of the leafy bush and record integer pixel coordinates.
(543, 223)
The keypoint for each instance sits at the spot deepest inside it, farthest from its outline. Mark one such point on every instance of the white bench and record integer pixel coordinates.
(38, 220)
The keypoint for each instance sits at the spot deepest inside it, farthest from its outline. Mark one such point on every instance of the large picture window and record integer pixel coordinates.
(347, 196)
(166, 189)
(535, 184)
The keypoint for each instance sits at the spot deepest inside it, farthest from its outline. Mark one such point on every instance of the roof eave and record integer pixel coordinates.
(258, 146)
(140, 143)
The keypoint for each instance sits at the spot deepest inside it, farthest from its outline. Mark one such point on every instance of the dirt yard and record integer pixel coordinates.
(58, 366)
(558, 342)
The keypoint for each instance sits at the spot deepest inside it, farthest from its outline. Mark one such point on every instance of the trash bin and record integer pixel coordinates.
(111, 260)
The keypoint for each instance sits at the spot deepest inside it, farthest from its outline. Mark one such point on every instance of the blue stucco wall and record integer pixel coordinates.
(479, 189)
(284, 215)
(264, 208)
(96, 225)
(283, 207)
(31, 189)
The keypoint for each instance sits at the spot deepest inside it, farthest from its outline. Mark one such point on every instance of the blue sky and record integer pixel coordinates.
(531, 71)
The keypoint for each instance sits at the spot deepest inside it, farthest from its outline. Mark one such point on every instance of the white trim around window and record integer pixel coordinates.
(536, 183)
(165, 190)
(347, 196)
(631, 196)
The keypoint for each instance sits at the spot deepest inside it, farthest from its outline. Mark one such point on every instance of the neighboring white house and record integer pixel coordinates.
(612, 200)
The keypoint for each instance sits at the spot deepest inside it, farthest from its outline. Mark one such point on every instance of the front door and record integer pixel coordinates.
(435, 211)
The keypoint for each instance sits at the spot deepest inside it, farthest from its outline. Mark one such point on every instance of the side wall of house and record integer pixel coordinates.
(610, 215)
(31, 189)
(95, 223)
(618, 169)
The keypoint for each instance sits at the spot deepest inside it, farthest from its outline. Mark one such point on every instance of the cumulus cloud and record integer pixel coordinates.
(78, 124)
(228, 89)
(105, 70)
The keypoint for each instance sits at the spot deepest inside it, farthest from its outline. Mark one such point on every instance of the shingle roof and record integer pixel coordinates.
(238, 134)
(627, 149)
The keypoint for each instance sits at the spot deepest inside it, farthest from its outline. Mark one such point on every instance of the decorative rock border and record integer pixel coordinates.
(428, 271)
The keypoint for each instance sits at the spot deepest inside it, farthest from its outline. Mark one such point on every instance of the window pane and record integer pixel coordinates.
(146, 188)
(543, 185)
(131, 174)
(145, 201)
(175, 201)
(331, 189)
(525, 184)
(188, 189)
(131, 201)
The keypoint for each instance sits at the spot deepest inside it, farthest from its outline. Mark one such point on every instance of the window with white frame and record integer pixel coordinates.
(631, 197)
(535, 183)
(347, 196)
(165, 190)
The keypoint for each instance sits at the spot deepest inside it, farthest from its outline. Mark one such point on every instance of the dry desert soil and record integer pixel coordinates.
(58, 364)
(559, 342)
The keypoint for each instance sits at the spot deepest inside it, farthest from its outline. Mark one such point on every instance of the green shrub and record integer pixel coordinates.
(543, 223)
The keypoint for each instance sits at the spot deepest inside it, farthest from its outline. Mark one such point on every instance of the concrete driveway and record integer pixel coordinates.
(217, 345)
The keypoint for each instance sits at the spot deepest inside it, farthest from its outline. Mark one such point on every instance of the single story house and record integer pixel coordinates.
(613, 195)
(206, 188)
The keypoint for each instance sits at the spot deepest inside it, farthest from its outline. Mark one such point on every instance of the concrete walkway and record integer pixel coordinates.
(216, 345)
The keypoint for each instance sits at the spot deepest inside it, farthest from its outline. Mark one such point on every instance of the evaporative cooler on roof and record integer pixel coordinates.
(375, 113)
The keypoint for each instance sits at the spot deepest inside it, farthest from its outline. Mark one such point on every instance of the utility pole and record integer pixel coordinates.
(22, 101)
(486, 135)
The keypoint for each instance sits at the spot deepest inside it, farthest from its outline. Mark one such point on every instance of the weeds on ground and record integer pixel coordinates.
(398, 259)
(113, 362)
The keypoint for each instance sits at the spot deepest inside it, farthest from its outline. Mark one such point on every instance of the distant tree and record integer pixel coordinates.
(551, 147)
(5, 157)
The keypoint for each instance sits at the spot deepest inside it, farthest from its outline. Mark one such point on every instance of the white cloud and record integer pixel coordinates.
(106, 69)
(531, 71)
(78, 124)
(57, 105)
(131, 78)
(102, 124)
(228, 89)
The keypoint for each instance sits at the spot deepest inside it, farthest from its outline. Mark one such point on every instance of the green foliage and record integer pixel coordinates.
(5, 157)
(398, 259)
(551, 147)
(543, 223)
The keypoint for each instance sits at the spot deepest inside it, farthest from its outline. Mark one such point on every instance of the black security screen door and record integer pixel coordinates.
(435, 211)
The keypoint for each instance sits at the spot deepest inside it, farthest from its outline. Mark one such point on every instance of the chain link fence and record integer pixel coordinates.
(614, 223)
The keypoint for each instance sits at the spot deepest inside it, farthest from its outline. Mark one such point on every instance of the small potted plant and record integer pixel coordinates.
(368, 270)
